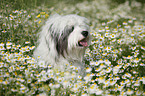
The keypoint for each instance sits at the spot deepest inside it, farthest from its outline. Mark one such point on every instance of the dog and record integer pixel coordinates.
(63, 40)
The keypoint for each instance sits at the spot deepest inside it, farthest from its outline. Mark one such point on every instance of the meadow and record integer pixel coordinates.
(115, 60)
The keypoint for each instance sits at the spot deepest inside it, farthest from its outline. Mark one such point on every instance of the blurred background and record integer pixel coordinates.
(24, 4)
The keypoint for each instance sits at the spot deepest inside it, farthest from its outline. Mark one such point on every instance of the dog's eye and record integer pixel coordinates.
(72, 28)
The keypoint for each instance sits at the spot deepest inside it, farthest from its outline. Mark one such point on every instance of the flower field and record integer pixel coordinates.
(115, 60)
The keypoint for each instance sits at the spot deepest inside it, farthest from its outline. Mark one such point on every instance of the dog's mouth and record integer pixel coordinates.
(83, 42)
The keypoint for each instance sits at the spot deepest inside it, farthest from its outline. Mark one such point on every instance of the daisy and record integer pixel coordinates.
(120, 88)
(8, 47)
(101, 39)
(115, 30)
(43, 94)
(4, 31)
(137, 83)
(12, 68)
(108, 70)
(99, 91)
(107, 83)
(124, 23)
(88, 69)
(32, 47)
(107, 34)
(100, 61)
(8, 43)
(2, 44)
(106, 27)
(142, 47)
(57, 85)
(127, 26)
(118, 26)
(129, 57)
(101, 80)
(130, 21)
(88, 77)
(102, 65)
(127, 81)
(128, 75)
(116, 69)
(5, 82)
(100, 46)
(92, 88)
(94, 63)
(102, 72)
(112, 82)
(112, 35)
(42, 64)
(138, 93)
(14, 90)
(84, 94)
(99, 30)
(66, 83)
(29, 80)
(1, 64)
(107, 48)
(2, 48)
(129, 92)
(136, 60)
(107, 62)
(103, 24)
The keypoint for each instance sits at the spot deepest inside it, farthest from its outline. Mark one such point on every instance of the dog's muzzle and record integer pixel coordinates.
(83, 42)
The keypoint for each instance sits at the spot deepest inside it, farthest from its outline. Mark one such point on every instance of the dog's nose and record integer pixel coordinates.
(85, 33)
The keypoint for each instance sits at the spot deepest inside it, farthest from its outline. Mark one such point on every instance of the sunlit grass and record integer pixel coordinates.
(115, 61)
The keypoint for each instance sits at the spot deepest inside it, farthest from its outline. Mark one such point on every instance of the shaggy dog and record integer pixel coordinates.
(63, 40)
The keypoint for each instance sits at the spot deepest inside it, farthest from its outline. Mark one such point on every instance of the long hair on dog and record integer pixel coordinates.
(63, 40)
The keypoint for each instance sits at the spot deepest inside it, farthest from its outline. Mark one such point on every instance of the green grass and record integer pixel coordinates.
(115, 60)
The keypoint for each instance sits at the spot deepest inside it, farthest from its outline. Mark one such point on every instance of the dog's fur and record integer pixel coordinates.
(59, 39)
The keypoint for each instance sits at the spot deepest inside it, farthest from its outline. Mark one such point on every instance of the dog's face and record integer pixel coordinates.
(70, 32)
(79, 37)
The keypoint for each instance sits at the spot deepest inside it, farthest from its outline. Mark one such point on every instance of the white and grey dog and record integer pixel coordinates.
(63, 40)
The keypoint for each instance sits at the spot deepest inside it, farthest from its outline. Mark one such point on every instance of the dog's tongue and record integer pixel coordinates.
(84, 43)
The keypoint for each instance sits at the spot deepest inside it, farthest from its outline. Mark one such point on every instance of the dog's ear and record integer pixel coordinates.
(62, 40)
(68, 29)
(72, 29)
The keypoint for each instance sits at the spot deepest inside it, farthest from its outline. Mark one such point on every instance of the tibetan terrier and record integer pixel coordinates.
(63, 40)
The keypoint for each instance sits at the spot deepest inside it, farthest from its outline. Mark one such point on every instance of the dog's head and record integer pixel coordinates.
(70, 32)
